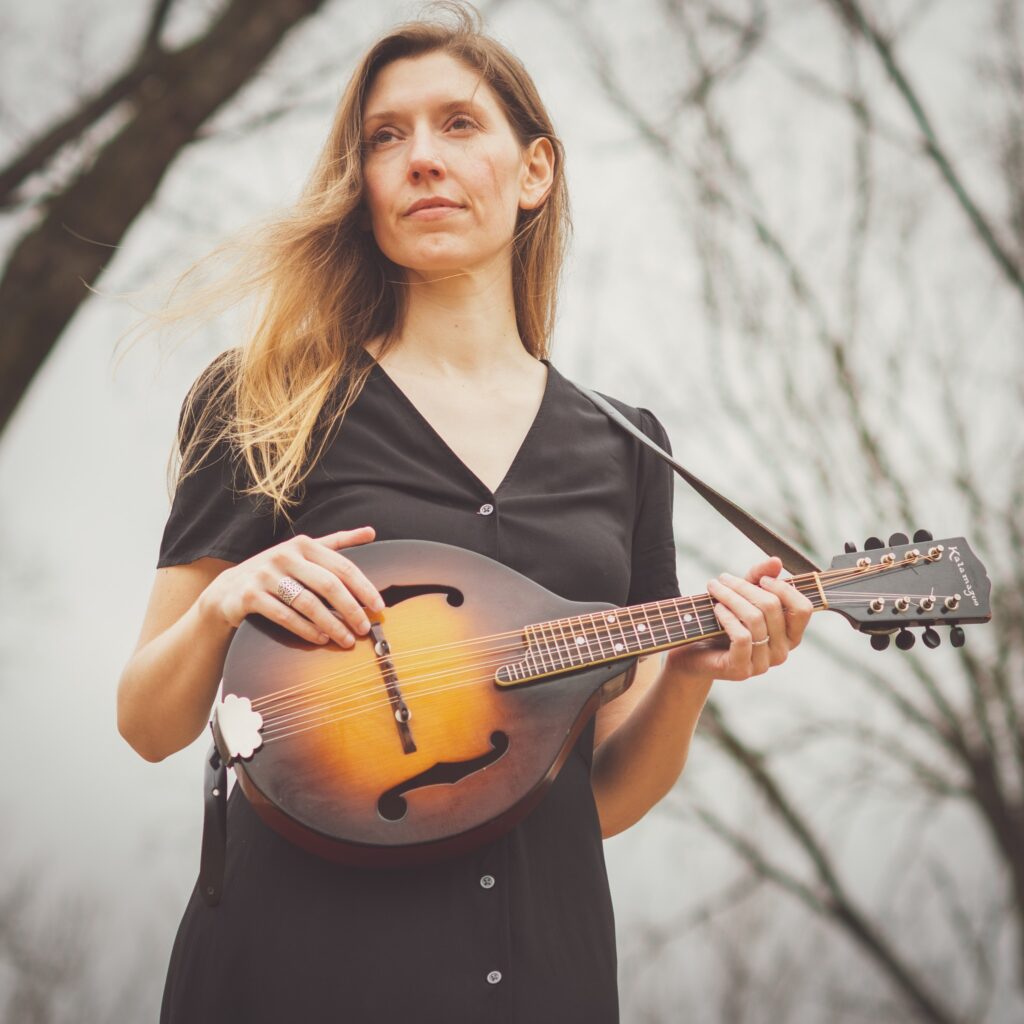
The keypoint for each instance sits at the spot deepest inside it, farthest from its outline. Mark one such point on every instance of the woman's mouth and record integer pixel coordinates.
(433, 212)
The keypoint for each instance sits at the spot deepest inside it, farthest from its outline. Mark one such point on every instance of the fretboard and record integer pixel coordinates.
(579, 641)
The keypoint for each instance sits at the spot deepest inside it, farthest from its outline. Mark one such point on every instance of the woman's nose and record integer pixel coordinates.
(424, 160)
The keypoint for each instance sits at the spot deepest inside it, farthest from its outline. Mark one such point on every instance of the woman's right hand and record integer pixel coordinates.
(315, 563)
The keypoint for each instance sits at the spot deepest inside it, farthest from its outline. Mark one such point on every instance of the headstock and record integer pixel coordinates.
(884, 589)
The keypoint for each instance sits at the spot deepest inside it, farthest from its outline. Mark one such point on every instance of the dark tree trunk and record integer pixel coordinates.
(49, 270)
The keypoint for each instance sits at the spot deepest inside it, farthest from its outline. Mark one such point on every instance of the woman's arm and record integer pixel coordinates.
(639, 762)
(170, 683)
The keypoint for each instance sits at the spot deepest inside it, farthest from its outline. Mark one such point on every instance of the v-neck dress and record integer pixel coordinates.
(520, 931)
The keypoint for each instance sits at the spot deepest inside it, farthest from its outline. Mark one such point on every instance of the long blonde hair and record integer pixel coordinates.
(323, 288)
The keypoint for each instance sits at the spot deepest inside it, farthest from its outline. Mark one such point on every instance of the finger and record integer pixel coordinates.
(276, 610)
(341, 600)
(323, 585)
(769, 567)
(796, 606)
(347, 571)
(770, 607)
(347, 538)
(741, 597)
(738, 662)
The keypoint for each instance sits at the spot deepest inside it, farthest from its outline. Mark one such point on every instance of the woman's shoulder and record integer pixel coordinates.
(639, 415)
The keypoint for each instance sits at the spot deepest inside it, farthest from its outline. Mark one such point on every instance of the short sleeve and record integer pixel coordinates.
(208, 516)
(653, 572)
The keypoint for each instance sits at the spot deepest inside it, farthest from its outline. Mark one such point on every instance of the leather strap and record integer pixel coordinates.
(215, 827)
(767, 540)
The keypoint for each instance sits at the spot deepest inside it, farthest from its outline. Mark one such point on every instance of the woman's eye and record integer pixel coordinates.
(384, 135)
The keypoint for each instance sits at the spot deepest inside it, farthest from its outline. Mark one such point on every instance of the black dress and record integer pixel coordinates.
(520, 931)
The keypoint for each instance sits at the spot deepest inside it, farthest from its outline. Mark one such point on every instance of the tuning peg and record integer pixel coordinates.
(897, 538)
(872, 542)
(956, 636)
(905, 639)
(921, 535)
(931, 638)
(879, 641)
(849, 547)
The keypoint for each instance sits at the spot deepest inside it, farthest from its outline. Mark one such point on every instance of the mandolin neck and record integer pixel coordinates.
(579, 641)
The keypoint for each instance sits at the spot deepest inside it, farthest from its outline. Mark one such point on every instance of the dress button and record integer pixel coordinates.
(494, 977)
(487, 881)
(485, 510)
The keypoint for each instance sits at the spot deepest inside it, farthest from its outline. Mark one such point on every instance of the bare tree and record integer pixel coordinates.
(157, 104)
(943, 732)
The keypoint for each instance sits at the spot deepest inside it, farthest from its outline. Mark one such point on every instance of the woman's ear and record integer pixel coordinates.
(538, 173)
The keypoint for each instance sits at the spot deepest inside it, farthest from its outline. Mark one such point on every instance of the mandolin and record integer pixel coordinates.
(448, 721)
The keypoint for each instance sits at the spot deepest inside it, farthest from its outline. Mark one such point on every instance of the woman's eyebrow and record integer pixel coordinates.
(444, 108)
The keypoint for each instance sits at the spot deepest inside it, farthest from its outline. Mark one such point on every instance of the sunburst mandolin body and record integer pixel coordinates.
(405, 749)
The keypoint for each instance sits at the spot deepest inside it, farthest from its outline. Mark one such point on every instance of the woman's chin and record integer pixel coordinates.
(424, 267)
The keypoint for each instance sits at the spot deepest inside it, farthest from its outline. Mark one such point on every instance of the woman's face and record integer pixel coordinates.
(434, 130)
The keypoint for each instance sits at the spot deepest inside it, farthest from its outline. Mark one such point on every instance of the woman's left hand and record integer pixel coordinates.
(756, 608)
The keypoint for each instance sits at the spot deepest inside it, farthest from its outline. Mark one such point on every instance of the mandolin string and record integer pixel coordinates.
(699, 603)
(308, 689)
(291, 724)
(279, 730)
(518, 640)
(312, 688)
(282, 723)
(415, 673)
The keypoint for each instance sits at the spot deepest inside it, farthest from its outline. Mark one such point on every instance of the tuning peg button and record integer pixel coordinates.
(849, 547)
(931, 638)
(905, 639)
(921, 535)
(898, 538)
(872, 542)
(880, 641)
(956, 636)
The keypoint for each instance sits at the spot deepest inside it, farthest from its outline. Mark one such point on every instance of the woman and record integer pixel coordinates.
(399, 379)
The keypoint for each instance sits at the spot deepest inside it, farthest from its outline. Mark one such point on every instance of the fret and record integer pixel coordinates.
(546, 663)
(617, 619)
(661, 612)
(585, 653)
(531, 646)
(636, 633)
(652, 640)
(700, 625)
(598, 630)
(552, 640)
(568, 642)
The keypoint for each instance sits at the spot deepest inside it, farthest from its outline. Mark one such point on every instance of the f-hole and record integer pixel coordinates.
(392, 805)
(397, 593)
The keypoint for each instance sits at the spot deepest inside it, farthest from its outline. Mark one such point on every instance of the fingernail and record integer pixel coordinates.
(378, 605)
(766, 580)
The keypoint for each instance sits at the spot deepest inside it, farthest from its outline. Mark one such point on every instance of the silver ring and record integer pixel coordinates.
(757, 643)
(288, 589)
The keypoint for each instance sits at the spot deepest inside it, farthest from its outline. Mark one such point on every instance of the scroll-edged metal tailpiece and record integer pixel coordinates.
(236, 728)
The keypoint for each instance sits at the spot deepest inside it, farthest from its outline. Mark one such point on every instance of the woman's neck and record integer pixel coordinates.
(459, 324)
